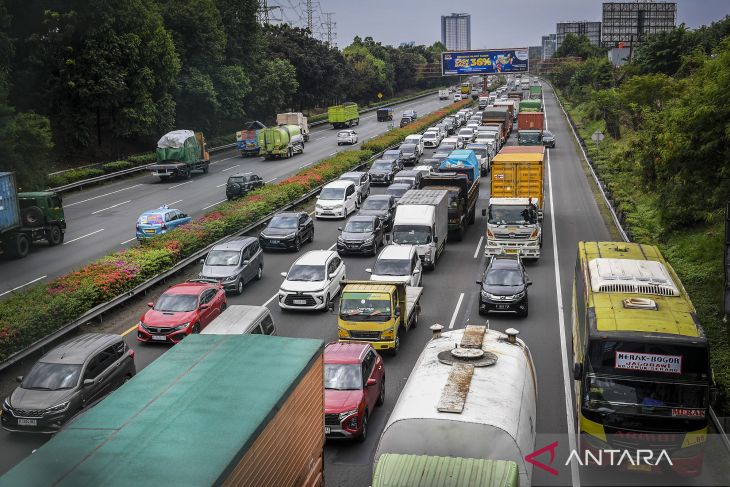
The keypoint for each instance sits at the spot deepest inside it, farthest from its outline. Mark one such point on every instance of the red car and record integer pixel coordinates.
(183, 309)
(354, 383)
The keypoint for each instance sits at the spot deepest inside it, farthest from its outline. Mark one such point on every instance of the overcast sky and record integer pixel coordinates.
(494, 24)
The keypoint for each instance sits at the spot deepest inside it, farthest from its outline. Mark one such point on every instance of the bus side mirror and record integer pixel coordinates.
(577, 370)
(714, 395)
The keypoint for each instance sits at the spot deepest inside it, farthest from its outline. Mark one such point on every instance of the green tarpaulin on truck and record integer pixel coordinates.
(531, 106)
(342, 113)
(394, 470)
(179, 146)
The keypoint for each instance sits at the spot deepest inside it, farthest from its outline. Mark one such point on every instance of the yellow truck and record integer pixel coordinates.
(514, 224)
(379, 313)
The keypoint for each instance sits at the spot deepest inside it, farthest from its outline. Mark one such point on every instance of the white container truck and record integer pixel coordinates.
(294, 118)
(476, 402)
(444, 94)
(422, 219)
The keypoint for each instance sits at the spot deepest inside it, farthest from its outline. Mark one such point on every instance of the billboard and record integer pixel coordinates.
(490, 61)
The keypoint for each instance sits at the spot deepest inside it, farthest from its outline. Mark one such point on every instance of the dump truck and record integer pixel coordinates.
(294, 118)
(247, 141)
(498, 115)
(422, 220)
(378, 312)
(517, 95)
(26, 218)
(179, 153)
(536, 91)
(531, 106)
(342, 116)
(385, 114)
(514, 223)
(282, 141)
(154, 430)
(466, 416)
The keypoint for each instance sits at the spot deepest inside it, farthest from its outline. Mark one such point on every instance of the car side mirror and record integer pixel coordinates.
(397, 312)
(245, 262)
(183, 215)
(202, 261)
(331, 305)
(150, 304)
(333, 275)
(577, 370)
(283, 274)
(714, 395)
(416, 271)
(88, 382)
(204, 306)
(479, 283)
(435, 239)
(369, 270)
(19, 379)
(371, 382)
(529, 283)
(339, 228)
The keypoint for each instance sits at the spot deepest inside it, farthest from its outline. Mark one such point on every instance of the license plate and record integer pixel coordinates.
(160, 338)
(502, 306)
(149, 230)
(274, 242)
(327, 430)
(511, 251)
(27, 422)
(300, 301)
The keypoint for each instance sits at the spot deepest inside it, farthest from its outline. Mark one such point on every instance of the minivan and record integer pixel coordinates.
(241, 319)
(336, 200)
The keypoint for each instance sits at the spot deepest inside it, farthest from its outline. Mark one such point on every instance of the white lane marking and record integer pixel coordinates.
(101, 195)
(23, 285)
(221, 185)
(127, 241)
(221, 160)
(110, 207)
(332, 246)
(335, 152)
(178, 185)
(272, 179)
(567, 383)
(83, 236)
(306, 165)
(232, 167)
(318, 138)
(479, 246)
(271, 299)
(174, 202)
(213, 204)
(456, 311)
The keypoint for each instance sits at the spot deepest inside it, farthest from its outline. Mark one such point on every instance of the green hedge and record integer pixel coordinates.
(74, 175)
(68, 297)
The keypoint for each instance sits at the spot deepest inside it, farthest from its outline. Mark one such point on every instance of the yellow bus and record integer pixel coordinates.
(641, 360)
(465, 88)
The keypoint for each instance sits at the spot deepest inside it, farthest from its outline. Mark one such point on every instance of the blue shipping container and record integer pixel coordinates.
(9, 210)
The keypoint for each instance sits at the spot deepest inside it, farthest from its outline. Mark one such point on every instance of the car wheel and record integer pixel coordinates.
(196, 328)
(326, 303)
(224, 306)
(239, 287)
(54, 235)
(259, 273)
(381, 396)
(297, 244)
(375, 247)
(311, 236)
(364, 430)
(524, 312)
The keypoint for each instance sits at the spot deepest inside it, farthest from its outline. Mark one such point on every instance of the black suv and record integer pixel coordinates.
(409, 154)
(361, 235)
(382, 206)
(504, 286)
(382, 171)
(287, 230)
(239, 185)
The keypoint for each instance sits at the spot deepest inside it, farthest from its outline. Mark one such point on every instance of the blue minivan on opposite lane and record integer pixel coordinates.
(159, 221)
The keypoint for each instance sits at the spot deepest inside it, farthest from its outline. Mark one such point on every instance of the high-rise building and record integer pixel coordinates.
(548, 46)
(534, 53)
(456, 32)
(626, 24)
(592, 30)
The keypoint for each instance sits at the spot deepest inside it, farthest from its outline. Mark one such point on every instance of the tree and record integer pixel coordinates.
(662, 52)
(648, 92)
(370, 74)
(578, 46)
(245, 45)
(274, 89)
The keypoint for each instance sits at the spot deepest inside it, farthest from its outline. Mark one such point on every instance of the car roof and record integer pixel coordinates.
(241, 174)
(78, 349)
(159, 210)
(188, 287)
(289, 213)
(340, 183)
(236, 244)
(380, 197)
(345, 352)
(314, 257)
(396, 252)
(390, 151)
(504, 262)
(407, 173)
(362, 218)
(352, 174)
(398, 185)
(407, 145)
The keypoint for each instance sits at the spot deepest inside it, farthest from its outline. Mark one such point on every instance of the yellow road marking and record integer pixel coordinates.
(130, 330)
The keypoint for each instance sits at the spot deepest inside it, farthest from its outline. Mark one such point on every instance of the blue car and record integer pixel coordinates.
(156, 222)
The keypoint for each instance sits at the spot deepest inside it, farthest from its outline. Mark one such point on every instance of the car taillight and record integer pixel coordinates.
(131, 353)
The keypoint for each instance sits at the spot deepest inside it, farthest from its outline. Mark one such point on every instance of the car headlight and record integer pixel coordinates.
(291, 235)
(58, 408)
(142, 324)
(345, 414)
(520, 295)
(230, 278)
(181, 327)
(339, 240)
(388, 334)
(369, 240)
(6, 403)
(487, 295)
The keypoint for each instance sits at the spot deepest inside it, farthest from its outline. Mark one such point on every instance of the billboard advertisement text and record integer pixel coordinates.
(491, 61)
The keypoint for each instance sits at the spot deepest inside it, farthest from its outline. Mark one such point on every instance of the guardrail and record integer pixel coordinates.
(124, 172)
(618, 220)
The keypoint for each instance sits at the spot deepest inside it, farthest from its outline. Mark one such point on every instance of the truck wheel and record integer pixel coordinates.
(54, 235)
(396, 348)
(289, 153)
(188, 174)
(19, 246)
(32, 217)
(460, 234)
(472, 216)
(205, 169)
(414, 322)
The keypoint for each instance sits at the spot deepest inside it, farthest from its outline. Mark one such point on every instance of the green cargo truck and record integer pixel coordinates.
(345, 115)
(531, 105)
(281, 141)
(212, 410)
(179, 153)
(536, 92)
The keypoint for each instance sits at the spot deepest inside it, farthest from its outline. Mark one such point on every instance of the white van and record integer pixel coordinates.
(240, 319)
(336, 200)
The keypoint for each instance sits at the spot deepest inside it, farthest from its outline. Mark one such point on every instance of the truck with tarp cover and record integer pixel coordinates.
(536, 91)
(343, 116)
(531, 105)
(472, 395)
(179, 153)
(247, 141)
(155, 431)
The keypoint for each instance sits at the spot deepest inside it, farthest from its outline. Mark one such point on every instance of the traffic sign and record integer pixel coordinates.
(380, 95)
(597, 137)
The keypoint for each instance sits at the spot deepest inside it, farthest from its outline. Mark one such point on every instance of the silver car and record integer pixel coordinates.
(362, 183)
(234, 263)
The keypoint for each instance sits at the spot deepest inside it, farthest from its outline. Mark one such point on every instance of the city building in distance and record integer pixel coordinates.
(592, 30)
(548, 46)
(456, 32)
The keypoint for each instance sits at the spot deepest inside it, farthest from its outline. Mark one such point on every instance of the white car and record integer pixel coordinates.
(425, 170)
(482, 152)
(457, 97)
(458, 143)
(346, 137)
(431, 139)
(416, 139)
(466, 135)
(312, 281)
(398, 263)
(336, 200)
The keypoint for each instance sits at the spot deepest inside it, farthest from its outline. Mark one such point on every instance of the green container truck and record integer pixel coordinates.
(244, 410)
(179, 153)
(280, 142)
(536, 92)
(531, 106)
(345, 115)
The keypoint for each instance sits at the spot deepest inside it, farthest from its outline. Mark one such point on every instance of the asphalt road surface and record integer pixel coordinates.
(102, 219)
(450, 298)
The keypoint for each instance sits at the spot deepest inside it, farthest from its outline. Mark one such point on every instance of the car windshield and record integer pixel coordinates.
(515, 215)
(466, 132)
(306, 273)
(375, 204)
(284, 222)
(342, 377)
(391, 155)
(412, 234)
(332, 194)
(176, 302)
(365, 307)
(503, 277)
(392, 267)
(151, 219)
(382, 166)
(479, 151)
(408, 149)
(343, 134)
(52, 377)
(223, 257)
(429, 135)
(359, 226)
(547, 134)
(446, 147)
(238, 179)
(397, 192)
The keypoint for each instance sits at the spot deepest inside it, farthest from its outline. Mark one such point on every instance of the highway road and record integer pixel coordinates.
(450, 298)
(102, 219)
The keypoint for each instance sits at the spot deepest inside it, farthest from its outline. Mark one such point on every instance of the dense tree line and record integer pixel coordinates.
(670, 110)
(82, 80)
